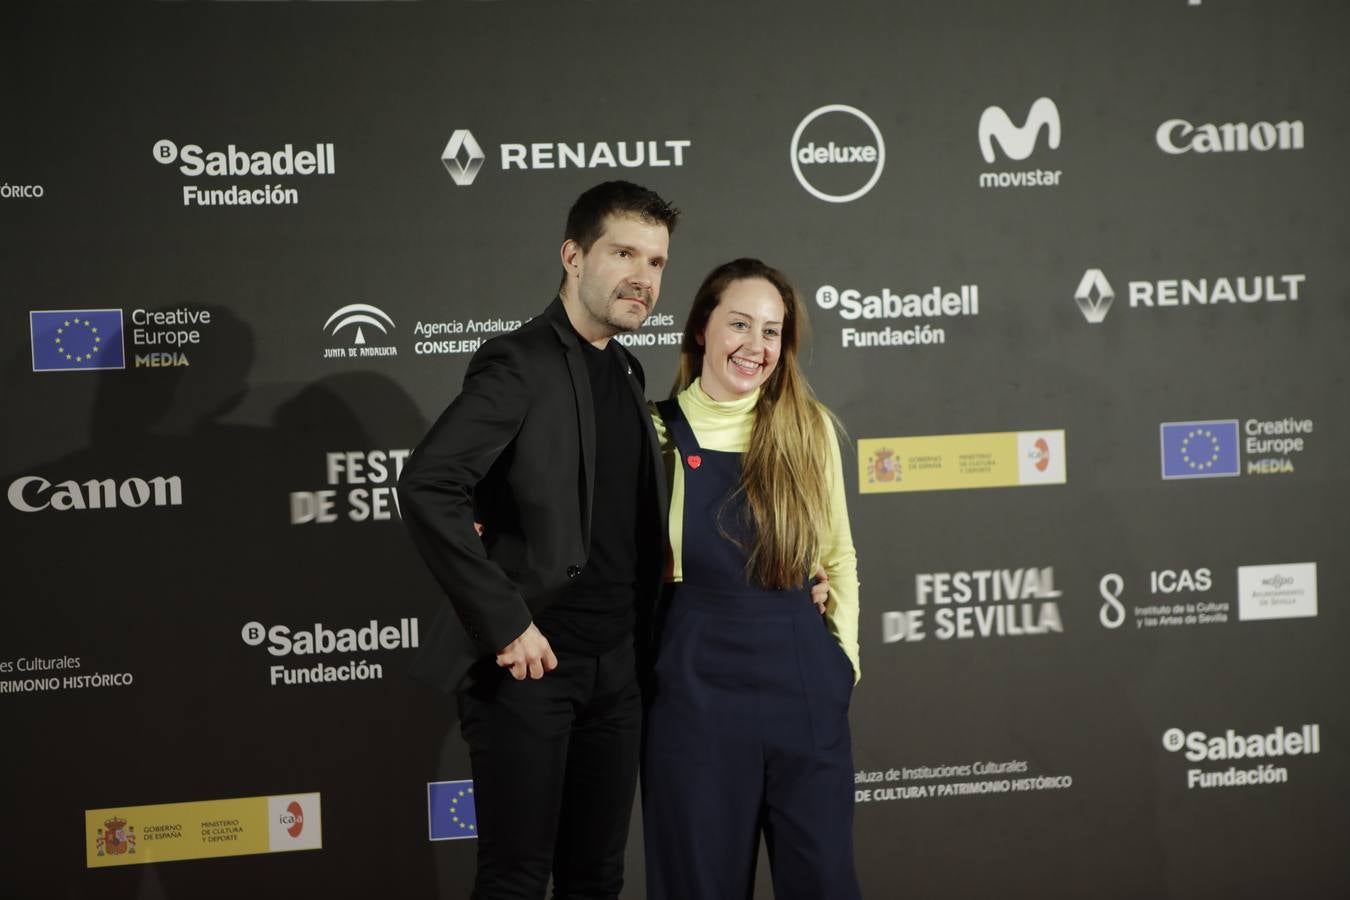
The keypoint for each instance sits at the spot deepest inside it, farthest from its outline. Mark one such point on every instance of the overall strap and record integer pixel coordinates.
(678, 426)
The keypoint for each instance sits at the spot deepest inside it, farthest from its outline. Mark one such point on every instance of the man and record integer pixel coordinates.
(550, 448)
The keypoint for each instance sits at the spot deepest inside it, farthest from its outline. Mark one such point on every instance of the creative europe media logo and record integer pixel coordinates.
(1199, 449)
(76, 340)
(1213, 448)
(91, 340)
(452, 814)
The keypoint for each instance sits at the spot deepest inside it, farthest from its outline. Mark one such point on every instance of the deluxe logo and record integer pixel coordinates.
(843, 152)
(1095, 295)
(192, 161)
(76, 340)
(1018, 142)
(1282, 591)
(1178, 136)
(463, 156)
(33, 493)
(358, 316)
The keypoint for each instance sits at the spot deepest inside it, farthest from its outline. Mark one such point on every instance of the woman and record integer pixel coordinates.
(748, 724)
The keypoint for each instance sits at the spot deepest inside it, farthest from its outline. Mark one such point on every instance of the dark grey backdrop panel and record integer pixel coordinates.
(1030, 765)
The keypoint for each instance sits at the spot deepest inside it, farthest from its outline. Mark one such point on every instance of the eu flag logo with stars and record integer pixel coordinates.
(1200, 449)
(77, 340)
(451, 814)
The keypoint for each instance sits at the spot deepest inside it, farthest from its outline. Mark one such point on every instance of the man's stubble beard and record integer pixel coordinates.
(608, 317)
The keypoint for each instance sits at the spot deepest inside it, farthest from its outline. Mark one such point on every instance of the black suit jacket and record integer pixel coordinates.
(516, 452)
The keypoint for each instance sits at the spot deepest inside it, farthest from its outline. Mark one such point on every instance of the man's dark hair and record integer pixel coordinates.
(586, 218)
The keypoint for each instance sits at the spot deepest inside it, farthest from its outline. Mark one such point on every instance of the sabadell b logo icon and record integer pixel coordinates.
(837, 153)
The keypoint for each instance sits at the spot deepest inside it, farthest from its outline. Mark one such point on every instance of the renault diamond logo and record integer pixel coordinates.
(1094, 296)
(462, 157)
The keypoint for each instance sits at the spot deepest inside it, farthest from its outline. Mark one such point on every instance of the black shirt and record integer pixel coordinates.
(597, 611)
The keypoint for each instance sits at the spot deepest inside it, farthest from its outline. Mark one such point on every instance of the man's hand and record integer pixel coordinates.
(820, 591)
(529, 653)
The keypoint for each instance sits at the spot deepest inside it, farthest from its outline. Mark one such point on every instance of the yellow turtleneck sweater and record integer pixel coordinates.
(726, 427)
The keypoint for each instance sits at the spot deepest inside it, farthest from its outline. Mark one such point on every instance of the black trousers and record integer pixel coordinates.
(555, 765)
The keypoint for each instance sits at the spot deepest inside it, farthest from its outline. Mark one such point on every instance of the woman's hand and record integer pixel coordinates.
(820, 591)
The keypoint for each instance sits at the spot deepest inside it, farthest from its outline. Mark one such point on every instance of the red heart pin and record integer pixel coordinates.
(694, 461)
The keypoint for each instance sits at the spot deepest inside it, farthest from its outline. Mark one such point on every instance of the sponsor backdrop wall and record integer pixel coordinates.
(1077, 276)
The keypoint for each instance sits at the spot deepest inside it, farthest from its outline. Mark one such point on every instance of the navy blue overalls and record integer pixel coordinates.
(748, 727)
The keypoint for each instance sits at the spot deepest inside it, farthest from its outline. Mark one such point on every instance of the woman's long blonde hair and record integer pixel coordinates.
(783, 472)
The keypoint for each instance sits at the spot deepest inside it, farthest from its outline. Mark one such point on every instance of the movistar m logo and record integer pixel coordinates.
(1018, 142)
